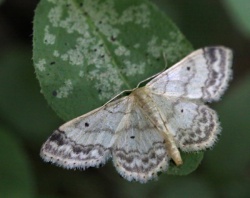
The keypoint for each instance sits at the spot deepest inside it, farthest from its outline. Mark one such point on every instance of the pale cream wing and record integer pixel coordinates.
(139, 152)
(194, 125)
(86, 141)
(204, 74)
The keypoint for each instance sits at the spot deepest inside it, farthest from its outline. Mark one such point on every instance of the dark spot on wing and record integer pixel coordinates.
(182, 111)
(132, 137)
(86, 124)
(188, 68)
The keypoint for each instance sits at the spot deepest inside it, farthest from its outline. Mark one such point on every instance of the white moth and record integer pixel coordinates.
(144, 130)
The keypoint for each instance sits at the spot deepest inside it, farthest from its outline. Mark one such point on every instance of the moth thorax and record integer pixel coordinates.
(143, 98)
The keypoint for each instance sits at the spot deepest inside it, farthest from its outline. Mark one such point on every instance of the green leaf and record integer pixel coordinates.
(239, 11)
(86, 52)
(16, 179)
(190, 162)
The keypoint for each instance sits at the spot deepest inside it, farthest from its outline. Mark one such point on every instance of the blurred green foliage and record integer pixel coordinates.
(239, 11)
(16, 177)
(27, 120)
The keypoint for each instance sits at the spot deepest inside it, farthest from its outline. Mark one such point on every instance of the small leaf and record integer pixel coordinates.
(190, 162)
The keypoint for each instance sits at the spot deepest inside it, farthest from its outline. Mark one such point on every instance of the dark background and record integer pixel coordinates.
(26, 120)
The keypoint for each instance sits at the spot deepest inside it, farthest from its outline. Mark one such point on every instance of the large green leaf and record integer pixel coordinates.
(86, 52)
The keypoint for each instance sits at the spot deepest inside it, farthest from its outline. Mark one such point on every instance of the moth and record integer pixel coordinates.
(144, 130)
